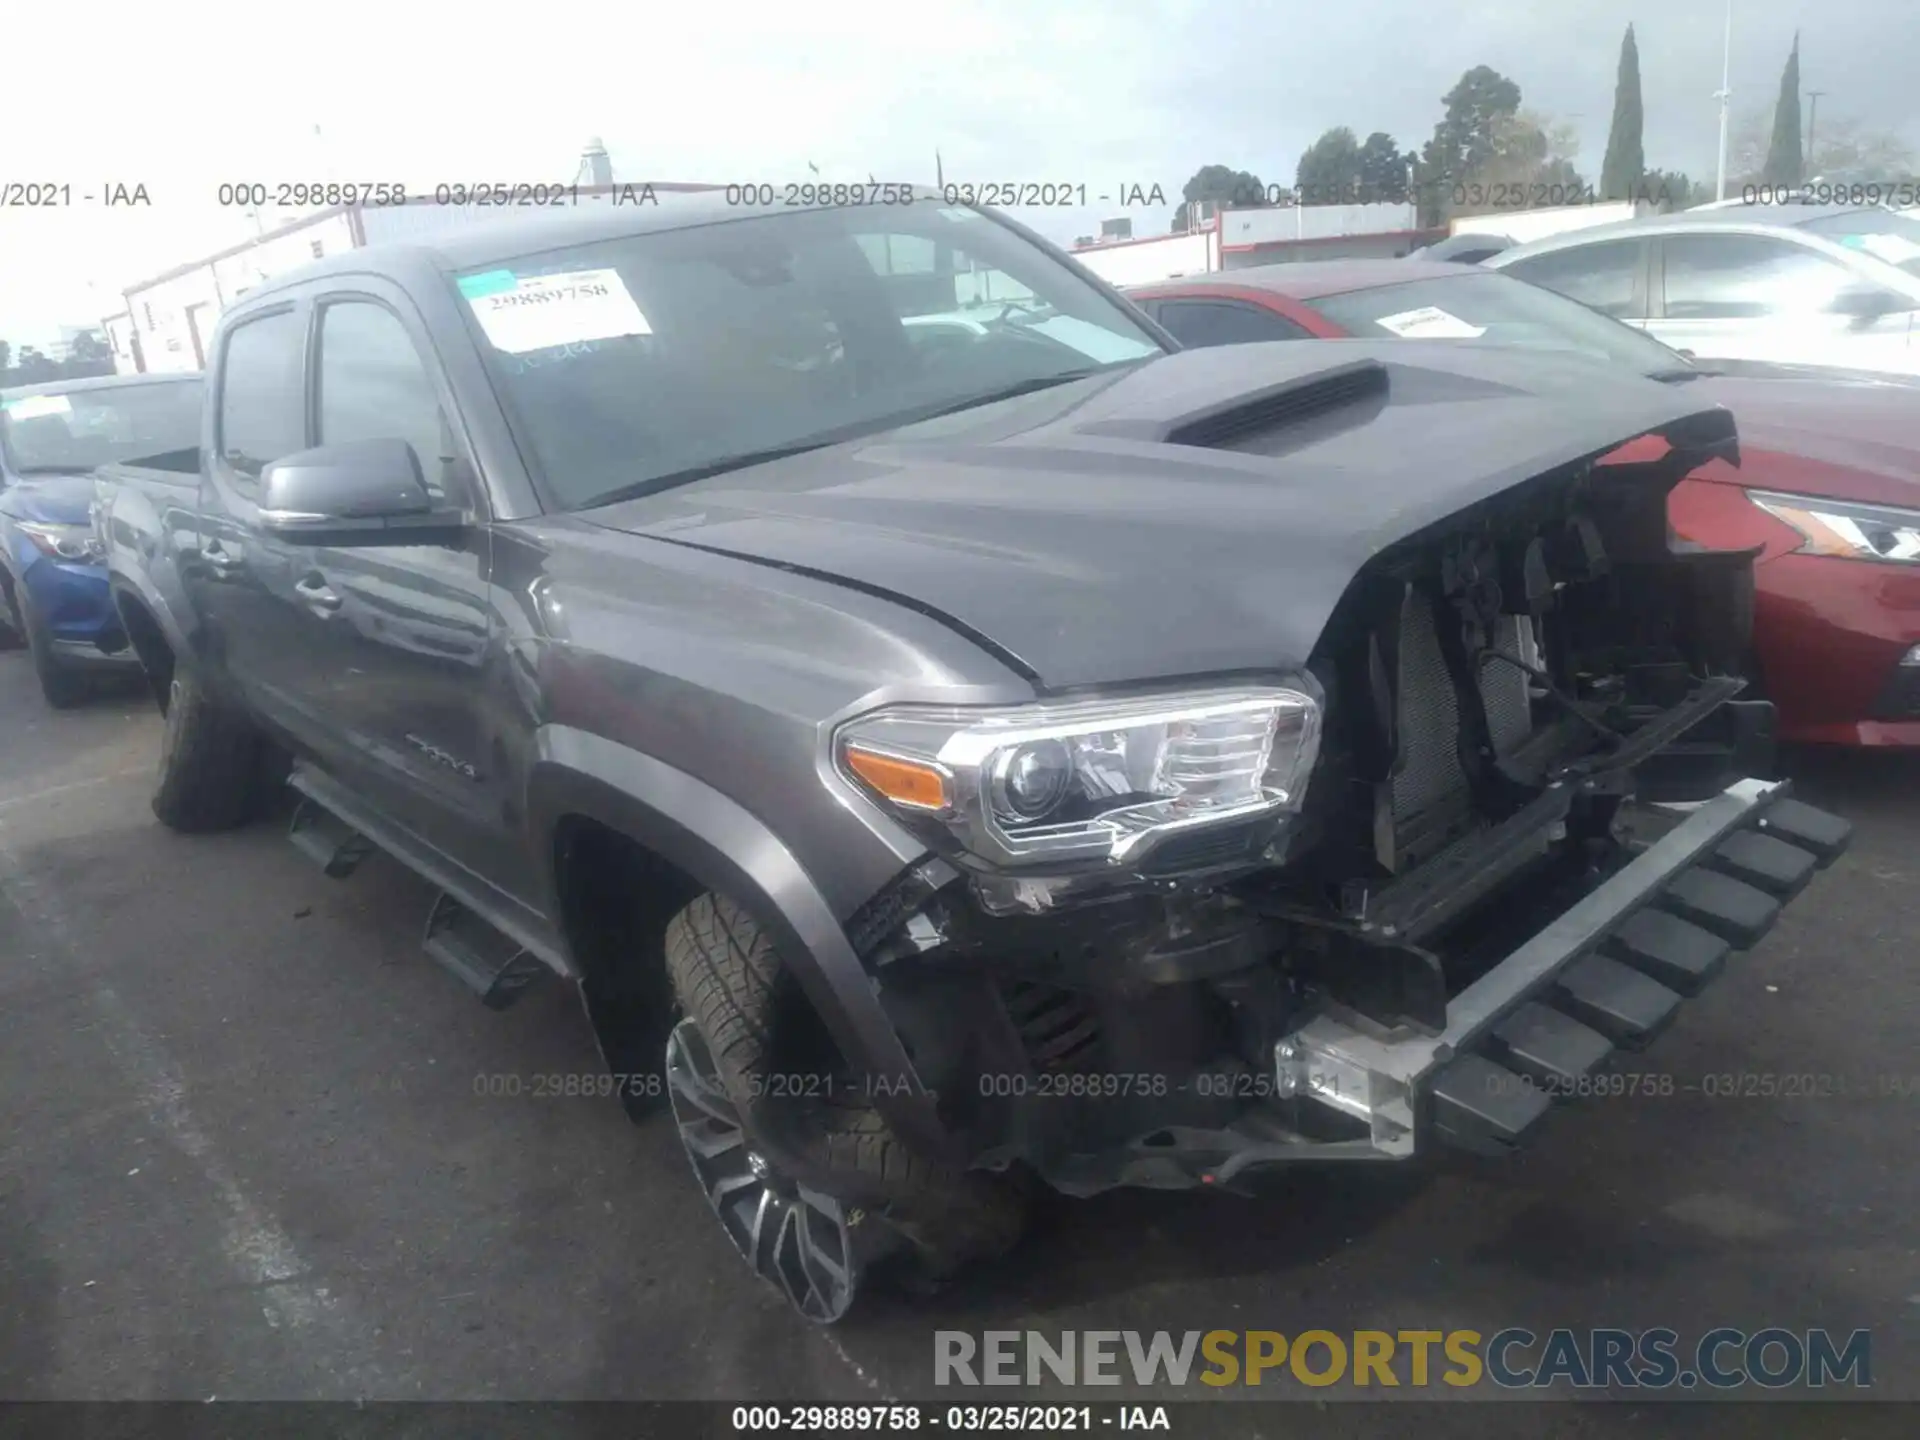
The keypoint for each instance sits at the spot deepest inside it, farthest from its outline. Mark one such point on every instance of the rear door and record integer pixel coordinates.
(256, 633)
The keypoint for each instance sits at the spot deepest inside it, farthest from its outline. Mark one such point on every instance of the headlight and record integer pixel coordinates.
(1839, 527)
(64, 542)
(1092, 779)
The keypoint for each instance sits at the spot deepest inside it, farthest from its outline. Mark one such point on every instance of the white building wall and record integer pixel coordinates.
(1141, 262)
(166, 315)
(1314, 222)
(1524, 225)
(236, 274)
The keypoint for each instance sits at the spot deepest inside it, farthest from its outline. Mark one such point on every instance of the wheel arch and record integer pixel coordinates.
(723, 847)
(152, 630)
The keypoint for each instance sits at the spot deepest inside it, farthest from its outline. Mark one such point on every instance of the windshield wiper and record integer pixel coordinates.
(701, 472)
(1678, 375)
(54, 469)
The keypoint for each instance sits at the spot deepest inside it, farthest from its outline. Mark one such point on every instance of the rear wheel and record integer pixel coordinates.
(813, 1188)
(216, 768)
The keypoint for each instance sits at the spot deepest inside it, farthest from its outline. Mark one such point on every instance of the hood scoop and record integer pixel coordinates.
(1265, 415)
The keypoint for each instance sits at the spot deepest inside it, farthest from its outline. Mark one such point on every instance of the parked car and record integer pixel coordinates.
(53, 588)
(856, 728)
(1469, 247)
(1828, 480)
(1819, 285)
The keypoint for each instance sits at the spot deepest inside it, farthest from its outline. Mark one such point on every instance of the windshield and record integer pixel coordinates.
(1884, 234)
(1496, 307)
(82, 429)
(635, 363)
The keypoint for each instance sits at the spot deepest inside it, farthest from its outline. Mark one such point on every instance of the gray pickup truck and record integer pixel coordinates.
(954, 757)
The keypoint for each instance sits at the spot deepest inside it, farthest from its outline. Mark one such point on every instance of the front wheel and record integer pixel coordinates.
(62, 686)
(214, 762)
(813, 1188)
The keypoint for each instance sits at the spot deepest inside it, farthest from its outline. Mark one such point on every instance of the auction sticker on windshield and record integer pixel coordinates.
(520, 313)
(32, 407)
(1430, 322)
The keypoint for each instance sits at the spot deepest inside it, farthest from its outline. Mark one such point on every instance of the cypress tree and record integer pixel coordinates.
(1784, 164)
(1626, 162)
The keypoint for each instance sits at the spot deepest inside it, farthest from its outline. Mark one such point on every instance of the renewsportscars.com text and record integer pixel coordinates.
(1513, 1358)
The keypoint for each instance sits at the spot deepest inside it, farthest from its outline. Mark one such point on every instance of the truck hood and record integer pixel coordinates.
(49, 499)
(1103, 531)
(1849, 439)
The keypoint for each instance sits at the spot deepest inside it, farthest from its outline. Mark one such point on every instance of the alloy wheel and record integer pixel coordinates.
(797, 1239)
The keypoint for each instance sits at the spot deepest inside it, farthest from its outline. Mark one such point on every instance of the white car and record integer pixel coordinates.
(1810, 285)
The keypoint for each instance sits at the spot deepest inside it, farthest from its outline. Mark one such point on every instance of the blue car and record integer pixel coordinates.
(53, 588)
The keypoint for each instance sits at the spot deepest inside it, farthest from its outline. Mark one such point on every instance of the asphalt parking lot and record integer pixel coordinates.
(244, 1155)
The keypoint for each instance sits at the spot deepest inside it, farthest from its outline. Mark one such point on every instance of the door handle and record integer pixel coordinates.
(220, 561)
(317, 593)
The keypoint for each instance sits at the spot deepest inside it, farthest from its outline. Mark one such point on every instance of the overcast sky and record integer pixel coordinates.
(185, 95)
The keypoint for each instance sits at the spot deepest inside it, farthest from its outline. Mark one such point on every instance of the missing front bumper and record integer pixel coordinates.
(1607, 975)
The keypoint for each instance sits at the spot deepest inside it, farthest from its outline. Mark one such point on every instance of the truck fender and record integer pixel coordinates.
(726, 849)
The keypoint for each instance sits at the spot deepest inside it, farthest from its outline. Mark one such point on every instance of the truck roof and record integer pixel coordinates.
(96, 382)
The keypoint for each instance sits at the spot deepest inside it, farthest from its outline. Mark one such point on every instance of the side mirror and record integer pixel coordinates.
(1865, 304)
(365, 492)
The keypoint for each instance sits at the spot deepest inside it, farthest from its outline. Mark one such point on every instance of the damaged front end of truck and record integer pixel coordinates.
(1497, 828)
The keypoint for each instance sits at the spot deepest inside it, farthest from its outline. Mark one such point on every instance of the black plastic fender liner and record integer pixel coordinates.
(728, 850)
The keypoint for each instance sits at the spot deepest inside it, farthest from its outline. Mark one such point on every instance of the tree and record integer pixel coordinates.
(6, 357)
(1226, 187)
(1669, 189)
(33, 368)
(1329, 172)
(1625, 161)
(1529, 163)
(89, 348)
(1463, 141)
(1383, 170)
(1784, 163)
(1843, 148)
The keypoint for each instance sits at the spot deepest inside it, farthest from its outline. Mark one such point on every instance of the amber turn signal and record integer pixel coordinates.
(905, 782)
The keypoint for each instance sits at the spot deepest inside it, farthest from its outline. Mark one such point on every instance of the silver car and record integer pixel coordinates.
(1805, 284)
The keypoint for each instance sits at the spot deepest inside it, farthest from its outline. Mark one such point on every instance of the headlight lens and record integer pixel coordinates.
(1088, 780)
(1840, 527)
(64, 542)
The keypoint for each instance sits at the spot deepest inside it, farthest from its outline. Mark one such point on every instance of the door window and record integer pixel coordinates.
(1602, 275)
(1740, 277)
(374, 386)
(261, 415)
(1225, 322)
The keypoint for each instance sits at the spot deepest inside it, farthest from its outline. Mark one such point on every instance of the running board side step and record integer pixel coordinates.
(494, 967)
(327, 840)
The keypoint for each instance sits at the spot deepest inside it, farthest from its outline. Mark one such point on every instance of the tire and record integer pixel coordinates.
(62, 686)
(730, 982)
(215, 766)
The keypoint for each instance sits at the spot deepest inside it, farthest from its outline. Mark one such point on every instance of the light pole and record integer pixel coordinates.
(1724, 94)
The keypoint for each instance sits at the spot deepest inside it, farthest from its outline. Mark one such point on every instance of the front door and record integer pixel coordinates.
(1767, 297)
(410, 623)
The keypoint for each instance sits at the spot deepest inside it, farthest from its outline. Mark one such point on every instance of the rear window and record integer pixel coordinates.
(1485, 305)
(627, 363)
(82, 429)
